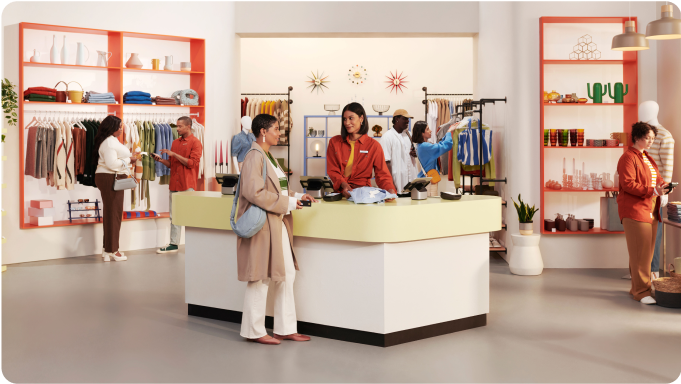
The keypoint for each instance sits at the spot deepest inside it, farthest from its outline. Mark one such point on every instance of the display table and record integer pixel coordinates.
(378, 274)
(526, 257)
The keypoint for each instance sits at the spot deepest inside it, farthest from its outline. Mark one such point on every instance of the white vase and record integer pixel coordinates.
(54, 56)
(64, 52)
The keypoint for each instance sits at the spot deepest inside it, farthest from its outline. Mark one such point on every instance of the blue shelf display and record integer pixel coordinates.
(326, 138)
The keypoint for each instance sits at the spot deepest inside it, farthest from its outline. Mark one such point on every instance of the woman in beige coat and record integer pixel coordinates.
(267, 258)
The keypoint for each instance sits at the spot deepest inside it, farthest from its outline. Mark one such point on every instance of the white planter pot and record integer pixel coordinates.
(526, 228)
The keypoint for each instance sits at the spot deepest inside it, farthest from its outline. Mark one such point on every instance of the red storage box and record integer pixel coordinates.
(41, 204)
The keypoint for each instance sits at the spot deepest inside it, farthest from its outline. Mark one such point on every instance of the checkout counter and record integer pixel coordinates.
(378, 274)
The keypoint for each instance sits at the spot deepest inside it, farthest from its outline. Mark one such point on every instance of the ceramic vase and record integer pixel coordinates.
(169, 63)
(134, 61)
(36, 56)
(64, 52)
(54, 56)
(526, 228)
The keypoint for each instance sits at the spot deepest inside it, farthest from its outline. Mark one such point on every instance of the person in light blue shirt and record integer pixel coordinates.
(428, 153)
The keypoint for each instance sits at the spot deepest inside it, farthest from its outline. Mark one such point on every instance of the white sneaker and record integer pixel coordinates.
(108, 256)
(648, 300)
(627, 277)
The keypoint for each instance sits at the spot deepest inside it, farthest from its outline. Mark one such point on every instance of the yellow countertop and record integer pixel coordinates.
(401, 220)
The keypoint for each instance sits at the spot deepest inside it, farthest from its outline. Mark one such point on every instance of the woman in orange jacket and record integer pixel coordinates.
(638, 207)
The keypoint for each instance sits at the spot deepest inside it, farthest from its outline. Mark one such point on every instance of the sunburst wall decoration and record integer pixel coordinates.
(317, 82)
(357, 75)
(396, 82)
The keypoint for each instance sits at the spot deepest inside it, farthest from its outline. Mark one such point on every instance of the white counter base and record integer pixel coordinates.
(373, 293)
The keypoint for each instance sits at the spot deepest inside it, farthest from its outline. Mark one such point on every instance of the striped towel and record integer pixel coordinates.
(469, 146)
(138, 214)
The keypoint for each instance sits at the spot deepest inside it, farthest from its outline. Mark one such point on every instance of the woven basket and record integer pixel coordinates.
(75, 96)
(61, 95)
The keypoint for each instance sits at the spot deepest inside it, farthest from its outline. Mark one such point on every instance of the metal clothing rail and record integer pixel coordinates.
(289, 101)
(425, 99)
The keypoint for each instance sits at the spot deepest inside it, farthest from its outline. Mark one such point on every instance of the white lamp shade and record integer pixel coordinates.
(630, 40)
(666, 27)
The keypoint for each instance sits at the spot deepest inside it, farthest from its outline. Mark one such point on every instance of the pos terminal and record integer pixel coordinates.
(228, 182)
(316, 186)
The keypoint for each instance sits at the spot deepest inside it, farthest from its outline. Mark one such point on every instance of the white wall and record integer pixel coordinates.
(510, 32)
(172, 18)
(450, 71)
(669, 99)
(295, 18)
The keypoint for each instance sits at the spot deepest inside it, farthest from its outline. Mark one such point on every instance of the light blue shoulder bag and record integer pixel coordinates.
(252, 221)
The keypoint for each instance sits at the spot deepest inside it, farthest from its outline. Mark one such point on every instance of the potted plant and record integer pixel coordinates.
(525, 215)
(9, 102)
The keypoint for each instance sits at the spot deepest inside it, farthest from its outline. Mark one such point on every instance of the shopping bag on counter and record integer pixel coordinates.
(610, 218)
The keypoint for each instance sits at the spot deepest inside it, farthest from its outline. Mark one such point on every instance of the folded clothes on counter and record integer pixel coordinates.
(368, 195)
(138, 214)
(137, 93)
(34, 97)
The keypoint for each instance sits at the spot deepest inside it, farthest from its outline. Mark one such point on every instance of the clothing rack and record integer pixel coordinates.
(425, 99)
(289, 101)
(480, 104)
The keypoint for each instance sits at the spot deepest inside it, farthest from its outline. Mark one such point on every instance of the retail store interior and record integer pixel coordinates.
(415, 289)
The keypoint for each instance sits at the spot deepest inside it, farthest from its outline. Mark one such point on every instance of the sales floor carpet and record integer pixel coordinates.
(82, 320)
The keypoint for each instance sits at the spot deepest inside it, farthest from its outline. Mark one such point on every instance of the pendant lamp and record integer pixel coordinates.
(630, 40)
(666, 28)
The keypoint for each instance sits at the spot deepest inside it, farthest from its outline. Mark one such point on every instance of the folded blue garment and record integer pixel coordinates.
(368, 195)
(137, 93)
(137, 98)
(137, 102)
(108, 94)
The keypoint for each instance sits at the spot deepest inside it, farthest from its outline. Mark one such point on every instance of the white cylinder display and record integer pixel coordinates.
(525, 258)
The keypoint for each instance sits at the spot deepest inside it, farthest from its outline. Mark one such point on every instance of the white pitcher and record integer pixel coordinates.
(36, 56)
(103, 59)
(80, 54)
(169, 63)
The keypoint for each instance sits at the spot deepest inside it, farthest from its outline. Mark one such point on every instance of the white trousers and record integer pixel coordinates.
(255, 300)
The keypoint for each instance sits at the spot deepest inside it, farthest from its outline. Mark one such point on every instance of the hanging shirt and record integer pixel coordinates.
(396, 148)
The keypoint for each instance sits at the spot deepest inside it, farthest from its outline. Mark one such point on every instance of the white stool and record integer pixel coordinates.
(526, 257)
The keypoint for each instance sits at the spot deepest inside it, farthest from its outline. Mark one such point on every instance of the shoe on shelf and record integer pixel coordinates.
(648, 300)
(292, 337)
(168, 249)
(117, 256)
(494, 243)
(627, 276)
(267, 340)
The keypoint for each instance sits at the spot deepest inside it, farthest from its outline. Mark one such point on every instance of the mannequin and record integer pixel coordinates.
(241, 143)
(662, 152)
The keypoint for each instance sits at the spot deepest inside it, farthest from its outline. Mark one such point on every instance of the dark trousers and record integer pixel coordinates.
(112, 210)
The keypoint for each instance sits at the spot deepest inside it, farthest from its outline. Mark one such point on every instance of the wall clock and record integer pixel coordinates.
(317, 82)
(396, 82)
(357, 75)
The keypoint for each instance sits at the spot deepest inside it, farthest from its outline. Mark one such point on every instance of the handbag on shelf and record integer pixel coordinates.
(252, 221)
(61, 95)
(122, 184)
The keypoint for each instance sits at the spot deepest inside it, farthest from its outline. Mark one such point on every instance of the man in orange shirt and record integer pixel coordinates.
(185, 157)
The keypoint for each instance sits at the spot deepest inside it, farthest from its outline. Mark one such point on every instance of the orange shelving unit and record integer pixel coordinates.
(629, 65)
(115, 73)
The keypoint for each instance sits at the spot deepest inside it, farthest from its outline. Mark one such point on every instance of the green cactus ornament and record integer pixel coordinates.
(599, 92)
(619, 96)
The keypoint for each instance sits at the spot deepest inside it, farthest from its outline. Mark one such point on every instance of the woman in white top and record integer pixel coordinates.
(113, 160)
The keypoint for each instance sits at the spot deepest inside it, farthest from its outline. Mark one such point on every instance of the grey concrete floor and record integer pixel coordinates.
(82, 320)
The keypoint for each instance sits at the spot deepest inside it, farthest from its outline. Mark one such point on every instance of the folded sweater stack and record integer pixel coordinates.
(137, 97)
(99, 98)
(165, 101)
(40, 94)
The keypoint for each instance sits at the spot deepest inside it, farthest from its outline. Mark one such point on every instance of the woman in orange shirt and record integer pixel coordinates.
(638, 207)
(353, 156)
